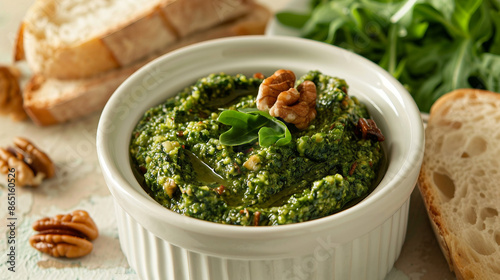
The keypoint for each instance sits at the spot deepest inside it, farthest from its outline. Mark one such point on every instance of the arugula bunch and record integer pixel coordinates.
(431, 46)
(250, 124)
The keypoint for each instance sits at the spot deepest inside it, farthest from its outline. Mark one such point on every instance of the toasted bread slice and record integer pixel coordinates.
(460, 181)
(70, 39)
(49, 101)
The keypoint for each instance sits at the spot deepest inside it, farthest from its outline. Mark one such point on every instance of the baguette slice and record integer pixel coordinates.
(460, 181)
(49, 101)
(69, 39)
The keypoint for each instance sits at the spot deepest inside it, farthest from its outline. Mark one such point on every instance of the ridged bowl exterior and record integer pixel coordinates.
(369, 257)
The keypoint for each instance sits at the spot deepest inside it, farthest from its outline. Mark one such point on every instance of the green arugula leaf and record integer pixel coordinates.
(293, 19)
(286, 136)
(276, 132)
(269, 136)
(250, 124)
(279, 128)
(495, 46)
(488, 71)
(244, 130)
(445, 7)
(464, 9)
(480, 24)
(256, 112)
(458, 68)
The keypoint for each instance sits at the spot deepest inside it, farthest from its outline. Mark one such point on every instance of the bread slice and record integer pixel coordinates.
(460, 181)
(49, 100)
(69, 39)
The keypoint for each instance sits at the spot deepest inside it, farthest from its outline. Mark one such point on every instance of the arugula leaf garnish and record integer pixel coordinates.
(250, 124)
(431, 46)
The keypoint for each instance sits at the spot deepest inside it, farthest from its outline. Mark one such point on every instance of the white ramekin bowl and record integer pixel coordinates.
(361, 242)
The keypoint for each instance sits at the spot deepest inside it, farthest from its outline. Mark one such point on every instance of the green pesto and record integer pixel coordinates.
(324, 168)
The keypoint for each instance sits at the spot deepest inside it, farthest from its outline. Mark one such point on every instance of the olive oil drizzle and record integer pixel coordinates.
(204, 173)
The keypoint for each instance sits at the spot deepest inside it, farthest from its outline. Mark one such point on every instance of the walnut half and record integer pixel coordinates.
(297, 106)
(30, 163)
(278, 95)
(24, 174)
(271, 87)
(66, 235)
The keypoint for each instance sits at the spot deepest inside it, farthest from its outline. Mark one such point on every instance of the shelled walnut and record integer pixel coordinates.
(282, 80)
(31, 165)
(278, 95)
(66, 235)
(297, 106)
(11, 100)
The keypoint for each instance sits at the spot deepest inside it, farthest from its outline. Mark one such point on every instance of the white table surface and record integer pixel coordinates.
(79, 185)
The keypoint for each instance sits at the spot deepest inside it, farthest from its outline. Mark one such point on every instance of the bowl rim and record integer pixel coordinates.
(119, 184)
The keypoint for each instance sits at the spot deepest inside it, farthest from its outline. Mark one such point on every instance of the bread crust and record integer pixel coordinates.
(123, 44)
(462, 258)
(434, 214)
(187, 17)
(18, 45)
(92, 56)
(80, 97)
(458, 94)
